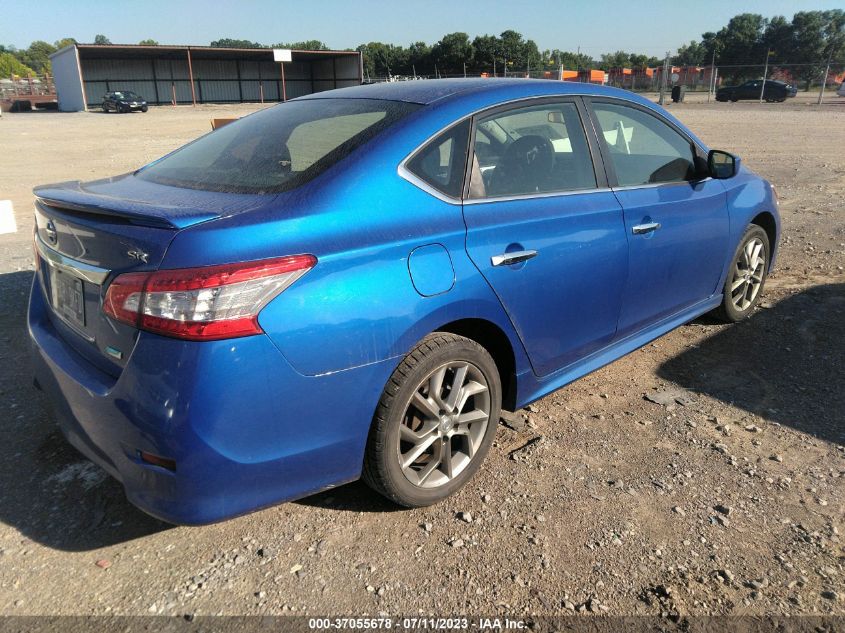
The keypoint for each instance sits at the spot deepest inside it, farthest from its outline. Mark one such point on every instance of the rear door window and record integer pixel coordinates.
(531, 150)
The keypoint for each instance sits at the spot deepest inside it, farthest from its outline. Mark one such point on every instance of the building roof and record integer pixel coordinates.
(135, 51)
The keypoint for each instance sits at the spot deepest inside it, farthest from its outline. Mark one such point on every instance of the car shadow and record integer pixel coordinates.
(49, 492)
(783, 363)
(352, 497)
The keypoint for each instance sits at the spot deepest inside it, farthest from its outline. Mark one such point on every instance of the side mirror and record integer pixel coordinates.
(721, 164)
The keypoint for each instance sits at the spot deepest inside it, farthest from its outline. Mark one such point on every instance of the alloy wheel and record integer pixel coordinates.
(749, 271)
(444, 424)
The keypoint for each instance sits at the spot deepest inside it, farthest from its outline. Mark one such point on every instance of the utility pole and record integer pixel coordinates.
(506, 67)
(414, 68)
(711, 86)
(494, 65)
(465, 70)
(765, 74)
(663, 79)
(826, 72)
(577, 64)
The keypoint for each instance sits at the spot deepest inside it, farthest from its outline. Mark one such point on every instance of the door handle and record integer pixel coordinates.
(645, 228)
(508, 259)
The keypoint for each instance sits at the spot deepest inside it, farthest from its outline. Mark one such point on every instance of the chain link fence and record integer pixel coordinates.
(705, 80)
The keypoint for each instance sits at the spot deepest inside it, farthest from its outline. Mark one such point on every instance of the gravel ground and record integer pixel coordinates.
(700, 475)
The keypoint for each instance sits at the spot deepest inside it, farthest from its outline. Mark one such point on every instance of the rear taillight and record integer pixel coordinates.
(208, 303)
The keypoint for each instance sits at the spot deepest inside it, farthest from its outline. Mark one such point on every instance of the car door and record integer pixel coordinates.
(544, 230)
(750, 90)
(676, 221)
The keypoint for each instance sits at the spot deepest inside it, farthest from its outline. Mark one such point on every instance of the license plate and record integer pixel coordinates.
(68, 297)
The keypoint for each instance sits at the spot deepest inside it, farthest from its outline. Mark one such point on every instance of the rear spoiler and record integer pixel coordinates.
(76, 198)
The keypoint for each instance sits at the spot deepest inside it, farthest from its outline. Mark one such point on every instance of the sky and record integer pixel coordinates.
(653, 27)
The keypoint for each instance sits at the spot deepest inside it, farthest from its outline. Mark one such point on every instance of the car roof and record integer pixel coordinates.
(461, 96)
(428, 91)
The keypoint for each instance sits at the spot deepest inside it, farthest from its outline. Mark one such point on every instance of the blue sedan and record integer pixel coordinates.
(355, 283)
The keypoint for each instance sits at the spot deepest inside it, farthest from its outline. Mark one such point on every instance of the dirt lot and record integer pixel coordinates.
(727, 500)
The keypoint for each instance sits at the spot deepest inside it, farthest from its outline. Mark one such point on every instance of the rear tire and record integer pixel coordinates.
(435, 421)
(746, 276)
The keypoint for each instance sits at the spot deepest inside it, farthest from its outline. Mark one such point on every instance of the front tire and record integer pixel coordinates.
(746, 277)
(435, 421)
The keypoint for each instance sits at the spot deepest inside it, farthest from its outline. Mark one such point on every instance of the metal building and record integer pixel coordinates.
(197, 74)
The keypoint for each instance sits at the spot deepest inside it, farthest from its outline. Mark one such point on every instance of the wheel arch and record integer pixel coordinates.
(492, 338)
(766, 221)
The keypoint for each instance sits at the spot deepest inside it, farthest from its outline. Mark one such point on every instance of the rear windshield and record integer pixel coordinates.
(276, 149)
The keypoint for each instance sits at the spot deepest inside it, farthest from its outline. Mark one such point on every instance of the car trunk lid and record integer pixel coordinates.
(88, 233)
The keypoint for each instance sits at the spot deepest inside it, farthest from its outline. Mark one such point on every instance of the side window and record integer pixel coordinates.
(643, 149)
(441, 163)
(537, 149)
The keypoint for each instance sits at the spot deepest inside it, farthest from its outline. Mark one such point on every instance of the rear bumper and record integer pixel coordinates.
(244, 428)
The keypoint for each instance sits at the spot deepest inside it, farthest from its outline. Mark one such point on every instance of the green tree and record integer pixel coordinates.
(512, 48)
(307, 45)
(780, 38)
(452, 52)
(65, 41)
(741, 45)
(101, 39)
(532, 57)
(818, 35)
(149, 42)
(11, 65)
(692, 54)
(487, 52)
(382, 60)
(570, 60)
(227, 42)
(37, 56)
(639, 61)
(619, 59)
(420, 59)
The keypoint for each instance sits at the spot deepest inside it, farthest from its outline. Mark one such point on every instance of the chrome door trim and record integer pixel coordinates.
(418, 182)
(652, 185)
(531, 196)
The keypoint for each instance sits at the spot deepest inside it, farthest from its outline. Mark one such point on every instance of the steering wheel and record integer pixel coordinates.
(525, 167)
